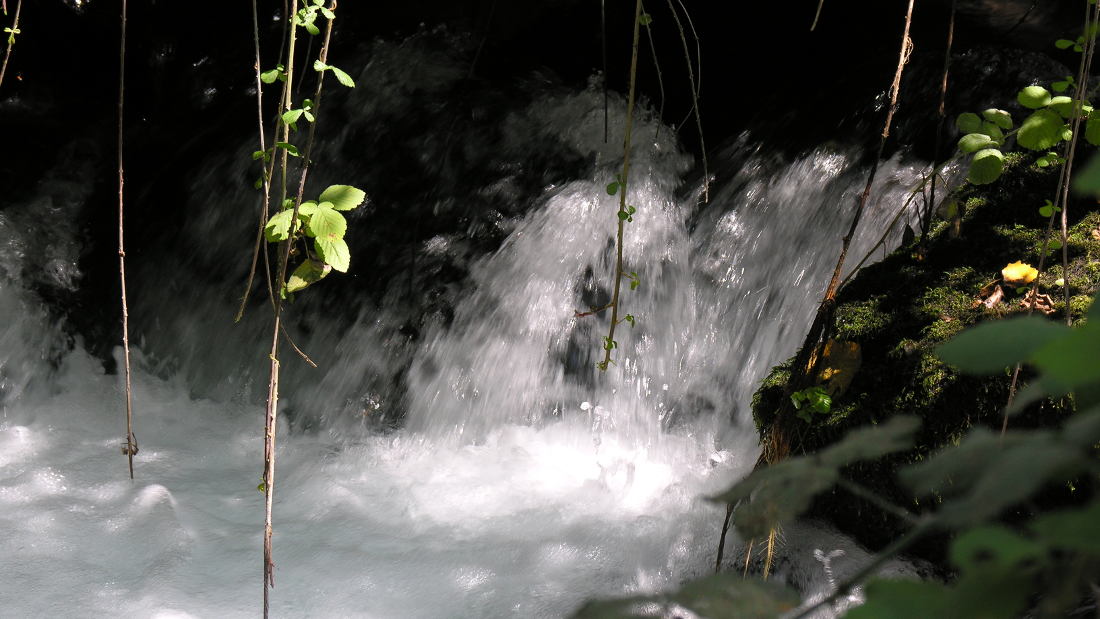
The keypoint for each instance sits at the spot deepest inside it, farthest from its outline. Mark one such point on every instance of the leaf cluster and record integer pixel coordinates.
(322, 221)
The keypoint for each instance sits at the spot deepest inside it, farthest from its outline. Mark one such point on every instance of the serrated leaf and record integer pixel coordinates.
(993, 547)
(973, 142)
(334, 251)
(343, 78)
(871, 442)
(969, 122)
(1072, 360)
(986, 166)
(779, 493)
(1040, 131)
(903, 599)
(278, 227)
(1000, 118)
(326, 222)
(719, 595)
(1033, 97)
(991, 346)
(309, 272)
(1075, 530)
(343, 197)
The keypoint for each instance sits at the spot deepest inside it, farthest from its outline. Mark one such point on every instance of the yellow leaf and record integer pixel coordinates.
(1019, 273)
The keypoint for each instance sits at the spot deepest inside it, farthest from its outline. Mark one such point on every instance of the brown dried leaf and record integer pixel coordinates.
(1040, 302)
(990, 295)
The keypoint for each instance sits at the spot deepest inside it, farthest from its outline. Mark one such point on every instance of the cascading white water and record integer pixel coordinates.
(524, 481)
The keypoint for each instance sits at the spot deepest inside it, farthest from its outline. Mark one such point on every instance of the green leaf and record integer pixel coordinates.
(994, 132)
(994, 345)
(259, 183)
(1074, 530)
(612, 188)
(1033, 97)
(873, 441)
(309, 272)
(1040, 131)
(320, 66)
(718, 595)
(308, 115)
(1064, 43)
(1092, 131)
(334, 251)
(779, 493)
(326, 222)
(343, 78)
(969, 122)
(278, 227)
(1088, 180)
(1072, 360)
(269, 77)
(312, 28)
(629, 318)
(1060, 86)
(1046, 210)
(986, 166)
(1063, 105)
(903, 599)
(1000, 118)
(343, 197)
(291, 116)
(993, 546)
(634, 283)
(974, 142)
(328, 14)
(645, 19)
(290, 148)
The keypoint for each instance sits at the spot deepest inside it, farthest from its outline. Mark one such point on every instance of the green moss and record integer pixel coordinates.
(861, 320)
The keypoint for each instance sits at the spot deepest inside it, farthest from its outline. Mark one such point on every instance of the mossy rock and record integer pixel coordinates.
(902, 308)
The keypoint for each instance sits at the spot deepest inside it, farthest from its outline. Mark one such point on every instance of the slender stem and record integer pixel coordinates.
(11, 39)
(660, 79)
(624, 184)
(926, 222)
(131, 440)
(878, 501)
(603, 51)
(817, 14)
(272, 413)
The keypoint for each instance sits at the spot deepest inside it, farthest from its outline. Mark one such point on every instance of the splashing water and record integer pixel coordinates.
(522, 482)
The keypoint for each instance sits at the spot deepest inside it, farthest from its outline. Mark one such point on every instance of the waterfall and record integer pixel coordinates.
(510, 477)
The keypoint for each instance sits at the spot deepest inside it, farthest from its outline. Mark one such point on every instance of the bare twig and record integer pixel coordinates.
(926, 221)
(660, 79)
(603, 51)
(695, 92)
(817, 14)
(131, 447)
(271, 416)
(11, 38)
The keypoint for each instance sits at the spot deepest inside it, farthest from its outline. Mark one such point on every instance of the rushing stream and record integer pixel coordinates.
(518, 480)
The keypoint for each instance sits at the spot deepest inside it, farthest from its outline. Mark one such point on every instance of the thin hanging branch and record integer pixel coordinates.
(271, 417)
(695, 91)
(603, 51)
(131, 447)
(1092, 18)
(660, 78)
(926, 221)
(624, 183)
(12, 31)
(817, 14)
